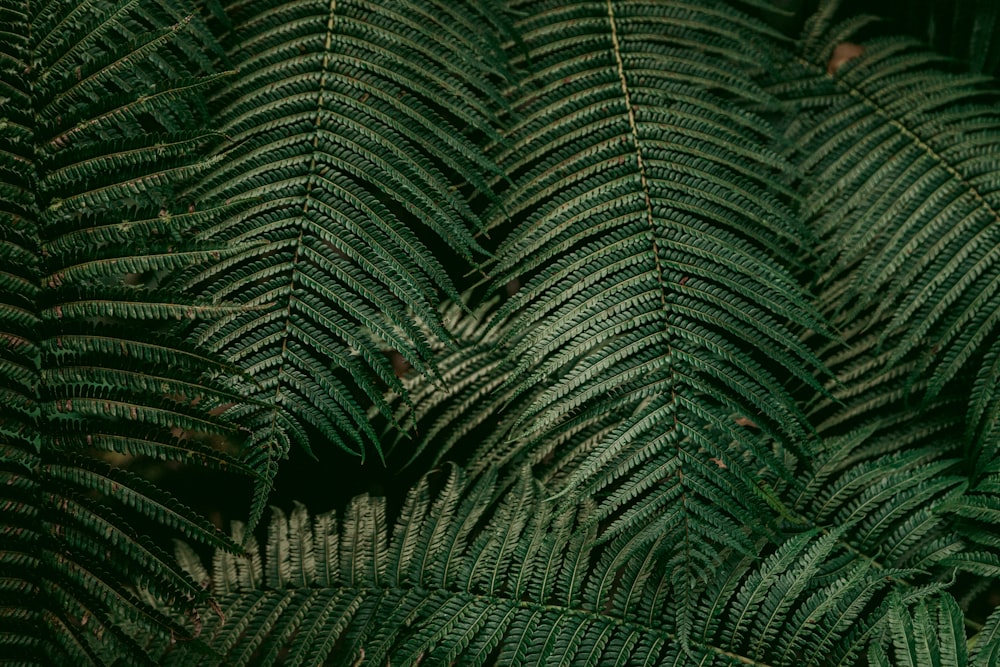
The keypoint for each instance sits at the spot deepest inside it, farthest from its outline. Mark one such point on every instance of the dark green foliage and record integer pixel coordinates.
(656, 246)
(909, 241)
(738, 403)
(966, 30)
(505, 580)
(355, 125)
(104, 123)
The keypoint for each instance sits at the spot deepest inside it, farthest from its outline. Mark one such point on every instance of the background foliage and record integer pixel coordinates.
(591, 332)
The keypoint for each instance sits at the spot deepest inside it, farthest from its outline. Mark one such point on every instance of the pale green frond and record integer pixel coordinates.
(491, 608)
(931, 634)
(467, 400)
(363, 552)
(984, 646)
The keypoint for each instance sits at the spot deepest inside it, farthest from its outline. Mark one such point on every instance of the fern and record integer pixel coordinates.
(910, 235)
(657, 265)
(604, 208)
(932, 634)
(904, 214)
(100, 132)
(355, 129)
(463, 578)
(738, 406)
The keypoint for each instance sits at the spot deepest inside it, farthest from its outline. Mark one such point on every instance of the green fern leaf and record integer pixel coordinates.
(628, 365)
(96, 133)
(985, 645)
(982, 433)
(635, 234)
(897, 151)
(356, 129)
(932, 635)
(505, 596)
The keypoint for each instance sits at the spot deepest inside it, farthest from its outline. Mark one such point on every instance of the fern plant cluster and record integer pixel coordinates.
(683, 313)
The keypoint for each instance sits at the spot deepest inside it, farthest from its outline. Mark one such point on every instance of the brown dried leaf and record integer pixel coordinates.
(844, 52)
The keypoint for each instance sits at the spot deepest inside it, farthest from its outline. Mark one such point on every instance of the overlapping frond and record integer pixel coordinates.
(931, 632)
(466, 405)
(463, 579)
(979, 509)
(895, 496)
(654, 340)
(899, 152)
(357, 128)
(900, 495)
(893, 477)
(895, 145)
(103, 126)
(740, 405)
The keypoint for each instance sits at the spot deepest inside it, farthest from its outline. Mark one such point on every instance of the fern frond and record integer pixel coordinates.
(357, 132)
(91, 369)
(895, 149)
(896, 496)
(985, 645)
(739, 408)
(898, 153)
(651, 293)
(650, 225)
(929, 633)
(464, 579)
(982, 433)
(465, 407)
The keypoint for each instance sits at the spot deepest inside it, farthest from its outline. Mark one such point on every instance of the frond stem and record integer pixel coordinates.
(643, 182)
(633, 126)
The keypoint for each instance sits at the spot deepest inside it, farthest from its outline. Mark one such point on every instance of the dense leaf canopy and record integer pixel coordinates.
(674, 326)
